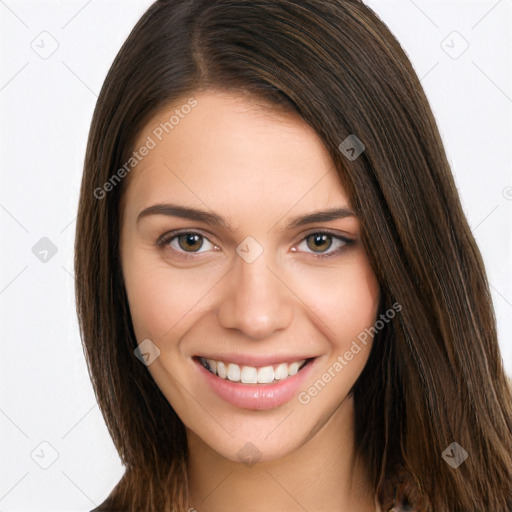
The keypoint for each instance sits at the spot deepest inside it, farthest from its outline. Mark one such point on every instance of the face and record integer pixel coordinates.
(255, 305)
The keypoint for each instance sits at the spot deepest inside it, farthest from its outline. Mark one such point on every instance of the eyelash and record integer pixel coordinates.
(164, 241)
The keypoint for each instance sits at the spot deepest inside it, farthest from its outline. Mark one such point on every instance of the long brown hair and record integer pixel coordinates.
(434, 374)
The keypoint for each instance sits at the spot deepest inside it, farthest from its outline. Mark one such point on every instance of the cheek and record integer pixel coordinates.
(346, 299)
(161, 298)
(152, 305)
(360, 299)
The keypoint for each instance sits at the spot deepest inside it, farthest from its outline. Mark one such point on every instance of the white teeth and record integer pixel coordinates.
(281, 372)
(266, 375)
(293, 368)
(234, 372)
(253, 375)
(221, 370)
(213, 365)
(249, 375)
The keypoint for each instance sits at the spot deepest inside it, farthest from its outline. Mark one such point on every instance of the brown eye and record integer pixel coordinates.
(190, 242)
(186, 243)
(324, 244)
(319, 242)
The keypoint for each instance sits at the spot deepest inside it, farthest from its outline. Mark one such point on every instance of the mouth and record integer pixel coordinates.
(264, 387)
(245, 374)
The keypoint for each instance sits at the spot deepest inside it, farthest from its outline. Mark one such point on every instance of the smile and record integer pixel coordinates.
(252, 374)
(265, 386)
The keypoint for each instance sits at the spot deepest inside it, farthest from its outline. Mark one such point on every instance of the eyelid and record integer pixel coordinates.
(166, 238)
(347, 241)
(325, 231)
(164, 241)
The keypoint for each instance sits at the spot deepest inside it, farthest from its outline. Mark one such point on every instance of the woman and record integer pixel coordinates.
(280, 299)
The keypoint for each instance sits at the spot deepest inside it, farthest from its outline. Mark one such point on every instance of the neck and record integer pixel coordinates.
(321, 474)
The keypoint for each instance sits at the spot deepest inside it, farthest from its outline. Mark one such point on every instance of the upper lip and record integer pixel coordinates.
(255, 360)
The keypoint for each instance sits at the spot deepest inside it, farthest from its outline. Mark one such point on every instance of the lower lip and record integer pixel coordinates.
(257, 396)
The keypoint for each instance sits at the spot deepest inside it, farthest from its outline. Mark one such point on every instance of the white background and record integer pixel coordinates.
(46, 108)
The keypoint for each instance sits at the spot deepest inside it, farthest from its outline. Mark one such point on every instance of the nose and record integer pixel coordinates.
(256, 301)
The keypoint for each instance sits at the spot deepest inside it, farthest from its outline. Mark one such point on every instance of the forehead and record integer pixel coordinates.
(228, 146)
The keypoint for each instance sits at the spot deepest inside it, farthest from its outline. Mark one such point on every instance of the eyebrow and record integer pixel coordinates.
(213, 219)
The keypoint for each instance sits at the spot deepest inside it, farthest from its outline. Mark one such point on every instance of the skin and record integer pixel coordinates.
(258, 169)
